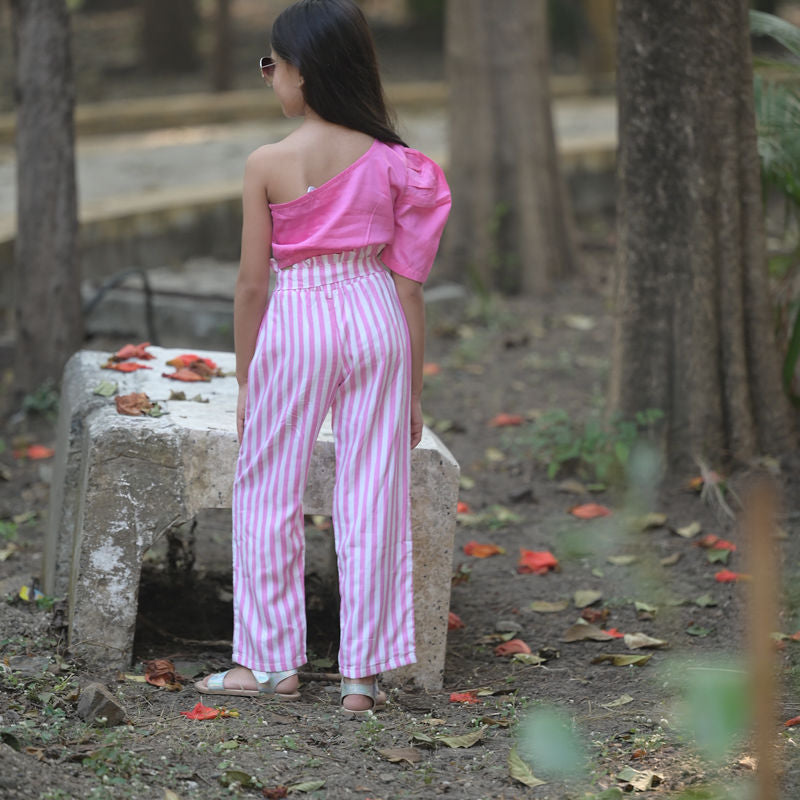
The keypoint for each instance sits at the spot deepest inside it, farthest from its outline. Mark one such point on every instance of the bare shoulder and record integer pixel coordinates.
(263, 160)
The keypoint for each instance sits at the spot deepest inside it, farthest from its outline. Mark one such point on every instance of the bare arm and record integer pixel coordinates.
(252, 282)
(411, 299)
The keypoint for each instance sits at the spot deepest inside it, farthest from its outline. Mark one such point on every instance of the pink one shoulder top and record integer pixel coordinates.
(392, 196)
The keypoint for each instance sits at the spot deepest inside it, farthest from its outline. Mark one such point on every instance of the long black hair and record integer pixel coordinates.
(330, 42)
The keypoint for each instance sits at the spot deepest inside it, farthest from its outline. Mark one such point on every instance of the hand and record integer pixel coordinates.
(416, 421)
(241, 407)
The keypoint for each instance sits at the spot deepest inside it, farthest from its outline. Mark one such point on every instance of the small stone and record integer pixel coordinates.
(507, 626)
(29, 665)
(97, 705)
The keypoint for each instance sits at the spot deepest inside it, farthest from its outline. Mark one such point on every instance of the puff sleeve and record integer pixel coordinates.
(420, 213)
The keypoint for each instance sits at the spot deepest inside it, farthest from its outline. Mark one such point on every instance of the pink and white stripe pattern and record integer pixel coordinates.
(334, 337)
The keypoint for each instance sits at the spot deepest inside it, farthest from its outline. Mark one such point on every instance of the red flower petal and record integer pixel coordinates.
(124, 366)
(482, 550)
(183, 374)
(726, 576)
(503, 420)
(463, 508)
(790, 722)
(511, 647)
(615, 633)
(464, 697)
(201, 712)
(454, 621)
(589, 511)
(538, 562)
(133, 351)
(431, 369)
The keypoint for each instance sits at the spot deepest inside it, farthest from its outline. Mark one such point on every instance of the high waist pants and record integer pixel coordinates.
(334, 336)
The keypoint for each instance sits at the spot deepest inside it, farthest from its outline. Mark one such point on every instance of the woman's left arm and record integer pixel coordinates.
(411, 299)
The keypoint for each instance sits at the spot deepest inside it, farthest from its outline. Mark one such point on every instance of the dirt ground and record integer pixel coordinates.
(520, 357)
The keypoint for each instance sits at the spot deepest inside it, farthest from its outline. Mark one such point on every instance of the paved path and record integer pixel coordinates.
(112, 169)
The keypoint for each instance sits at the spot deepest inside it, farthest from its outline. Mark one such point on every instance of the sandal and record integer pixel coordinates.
(267, 681)
(373, 692)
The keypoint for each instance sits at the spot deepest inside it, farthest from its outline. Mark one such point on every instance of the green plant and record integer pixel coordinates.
(8, 530)
(589, 448)
(43, 400)
(777, 107)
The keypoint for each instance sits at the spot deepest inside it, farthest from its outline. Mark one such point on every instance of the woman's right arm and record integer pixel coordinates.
(252, 282)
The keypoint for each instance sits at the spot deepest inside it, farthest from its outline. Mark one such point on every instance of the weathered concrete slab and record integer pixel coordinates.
(120, 482)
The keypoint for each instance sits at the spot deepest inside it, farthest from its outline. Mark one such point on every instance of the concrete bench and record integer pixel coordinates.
(120, 482)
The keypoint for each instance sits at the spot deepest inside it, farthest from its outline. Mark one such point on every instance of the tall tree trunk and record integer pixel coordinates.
(511, 225)
(693, 332)
(169, 32)
(223, 75)
(49, 325)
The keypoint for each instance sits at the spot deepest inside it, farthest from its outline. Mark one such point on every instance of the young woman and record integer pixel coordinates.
(352, 219)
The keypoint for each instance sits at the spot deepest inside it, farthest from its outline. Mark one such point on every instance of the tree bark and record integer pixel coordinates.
(511, 225)
(693, 332)
(169, 35)
(49, 324)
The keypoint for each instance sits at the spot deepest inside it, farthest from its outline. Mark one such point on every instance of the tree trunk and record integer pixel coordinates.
(693, 333)
(49, 325)
(169, 35)
(511, 226)
(223, 75)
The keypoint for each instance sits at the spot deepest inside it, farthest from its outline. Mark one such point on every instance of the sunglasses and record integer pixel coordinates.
(267, 69)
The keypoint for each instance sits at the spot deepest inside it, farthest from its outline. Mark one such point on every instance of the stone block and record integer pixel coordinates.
(121, 482)
(98, 706)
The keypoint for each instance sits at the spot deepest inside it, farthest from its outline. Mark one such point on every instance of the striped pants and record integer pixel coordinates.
(334, 337)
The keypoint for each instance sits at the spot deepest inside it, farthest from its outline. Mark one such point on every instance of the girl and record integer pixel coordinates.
(353, 219)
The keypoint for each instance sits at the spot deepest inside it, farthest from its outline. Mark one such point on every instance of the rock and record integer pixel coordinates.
(29, 665)
(97, 705)
(507, 626)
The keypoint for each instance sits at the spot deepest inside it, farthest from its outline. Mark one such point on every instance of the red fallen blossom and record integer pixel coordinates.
(161, 672)
(595, 615)
(201, 712)
(454, 621)
(463, 508)
(615, 633)
(187, 359)
(795, 637)
(184, 374)
(726, 576)
(723, 544)
(124, 366)
(133, 351)
(713, 542)
(276, 792)
(589, 511)
(504, 420)
(134, 404)
(482, 550)
(34, 452)
(464, 697)
(431, 369)
(791, 722)
(538, 562)
(511, 647)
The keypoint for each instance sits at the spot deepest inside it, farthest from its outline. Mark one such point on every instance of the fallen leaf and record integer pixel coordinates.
(647, 521)
(430, 369)
(531, 659)
(504, 420)
(589, 511)
(161, 672)
(466, 483)
(184, 374)
(634, 641)
(692, 529)
(595, 616)
(644, 608)
(133, 351)
(124, 366)
(201, 712)
(454, 621)
(494, 455)
(482, 550)
(275, 792)
(640, 780)
(669, 561)
(520, 771)
(8, 551)
(464, 697)
(622, 700)
(698, 631)
(586, 597)
(623, 560)
(571, 486)
(398, 754)
(547, 607)
(466, 740)
(511, 647)
(705, 600)
(623, 659)
(717, 556)
(581, 632)
(538, 562)
(105, 388)
(579, 322)
(726, 576)
(189, 359)
(463, 508)
(307, 786)
(170, 795)
(748, 762)
(134, 404)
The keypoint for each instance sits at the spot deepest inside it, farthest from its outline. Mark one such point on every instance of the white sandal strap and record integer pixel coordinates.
(217, 680)
(268, 681)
